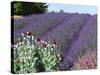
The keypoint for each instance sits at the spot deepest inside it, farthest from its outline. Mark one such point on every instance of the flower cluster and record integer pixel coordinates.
(35, 55)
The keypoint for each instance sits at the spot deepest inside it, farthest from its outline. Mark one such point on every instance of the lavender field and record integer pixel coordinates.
(74, 34)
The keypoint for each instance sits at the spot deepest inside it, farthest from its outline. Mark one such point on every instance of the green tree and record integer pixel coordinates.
(16, 8)
(61, 11)
(28, 8)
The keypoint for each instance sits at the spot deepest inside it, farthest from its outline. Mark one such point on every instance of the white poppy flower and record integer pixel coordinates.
(32, 38)
(52, 49)
(22, 34)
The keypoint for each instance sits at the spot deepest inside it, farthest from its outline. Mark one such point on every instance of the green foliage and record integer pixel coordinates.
(28, 8)
(18, 8)
(31, 55)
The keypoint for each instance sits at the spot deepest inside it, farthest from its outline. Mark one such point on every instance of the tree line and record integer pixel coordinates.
(28, 8)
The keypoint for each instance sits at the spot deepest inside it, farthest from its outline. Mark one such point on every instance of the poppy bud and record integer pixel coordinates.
(17, 41)
(38, 39)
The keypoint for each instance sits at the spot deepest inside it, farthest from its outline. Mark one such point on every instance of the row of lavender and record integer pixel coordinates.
(38, 23)
(74, 33)
(85, 43)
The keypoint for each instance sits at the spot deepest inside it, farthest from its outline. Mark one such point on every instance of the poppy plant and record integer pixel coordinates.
(28, 56)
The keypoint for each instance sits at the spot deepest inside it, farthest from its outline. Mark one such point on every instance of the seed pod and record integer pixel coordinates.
(29, 33)
(54, 42)
(18, 61)
(38, 39)
(44, 45)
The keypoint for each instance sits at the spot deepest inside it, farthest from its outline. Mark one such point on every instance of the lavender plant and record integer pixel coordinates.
(86, 39)
(35, 55)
